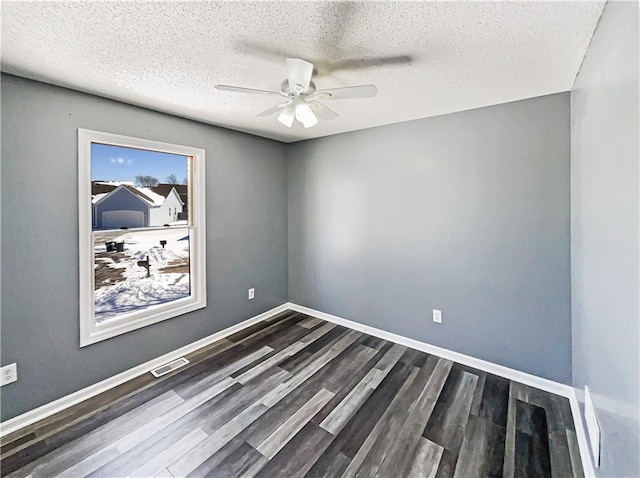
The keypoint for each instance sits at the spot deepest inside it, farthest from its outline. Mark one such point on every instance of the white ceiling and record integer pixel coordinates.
(167, 56)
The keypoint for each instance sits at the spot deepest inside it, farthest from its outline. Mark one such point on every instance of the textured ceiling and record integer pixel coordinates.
(426, 58)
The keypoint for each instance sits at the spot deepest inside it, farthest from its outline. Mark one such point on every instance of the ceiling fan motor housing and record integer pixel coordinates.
(286, 90)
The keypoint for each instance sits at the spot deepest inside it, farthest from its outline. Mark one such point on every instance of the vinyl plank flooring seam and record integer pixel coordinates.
(292, 401)
(156, 425)
(246, 396)
(285, 432)
(187, 390)
(285, 388)
(283, 354)
(171, 454)
(403, 448)
(343, 412)
(377, 430)
(190, 461)
(510, 439)
(426, 459)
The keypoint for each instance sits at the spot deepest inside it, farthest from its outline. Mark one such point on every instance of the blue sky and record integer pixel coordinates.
(116, 163)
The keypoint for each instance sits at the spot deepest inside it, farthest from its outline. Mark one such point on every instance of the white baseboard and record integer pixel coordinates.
(581, 434)
(44, 411)
(500, 370)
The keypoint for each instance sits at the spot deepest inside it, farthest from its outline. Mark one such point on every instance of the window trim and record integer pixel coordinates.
(90, 331)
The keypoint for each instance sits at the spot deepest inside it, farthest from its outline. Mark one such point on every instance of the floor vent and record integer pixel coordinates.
(169, 367)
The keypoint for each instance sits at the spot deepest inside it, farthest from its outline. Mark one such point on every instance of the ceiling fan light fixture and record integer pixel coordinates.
(287, 116)
(305, 115)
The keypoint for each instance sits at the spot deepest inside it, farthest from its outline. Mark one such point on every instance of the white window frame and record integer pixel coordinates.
(92, 332)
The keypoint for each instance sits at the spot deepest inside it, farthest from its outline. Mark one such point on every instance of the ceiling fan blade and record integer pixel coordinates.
(322, 112)
(239, 89)
(299, 74)
(272, 110)
(348, 92)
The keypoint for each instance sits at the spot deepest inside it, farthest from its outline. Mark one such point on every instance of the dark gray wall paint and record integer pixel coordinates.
(246, 237)
(467, 213)
(605, 216)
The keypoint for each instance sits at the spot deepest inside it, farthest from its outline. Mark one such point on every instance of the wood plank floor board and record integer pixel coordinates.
(273, 443)
(449, 419)
(297, 457)
(207, 466)
(298, 396)
(355, 432)
(322, 358)
(194, 387)
(294, 396)
(495, 400)
(160, 461)
(371, 374)
(203, 450)
(242, 461)
(532, 457)
(401, 453)
(368, 458)
(482, 451)
(242, 398)
(426, 459)
(301, 359)
(372, 341)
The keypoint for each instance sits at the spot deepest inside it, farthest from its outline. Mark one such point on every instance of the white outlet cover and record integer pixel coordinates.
(8, 374)
(592, 427)
(252, 293)
(437, 316)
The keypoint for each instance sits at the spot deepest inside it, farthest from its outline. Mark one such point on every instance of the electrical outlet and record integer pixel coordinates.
(8, 374)
(437, 316)
(252, 293)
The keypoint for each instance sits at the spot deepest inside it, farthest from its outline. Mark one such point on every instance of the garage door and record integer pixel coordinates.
(122, 218)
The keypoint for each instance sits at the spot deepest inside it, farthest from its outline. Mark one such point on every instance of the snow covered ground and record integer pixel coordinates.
(123, 286)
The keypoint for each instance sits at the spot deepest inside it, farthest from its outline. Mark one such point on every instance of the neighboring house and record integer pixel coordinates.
(165, 188)
(125, 205)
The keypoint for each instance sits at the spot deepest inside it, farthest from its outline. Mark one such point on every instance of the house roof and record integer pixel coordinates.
(150, 197)
(165, 188)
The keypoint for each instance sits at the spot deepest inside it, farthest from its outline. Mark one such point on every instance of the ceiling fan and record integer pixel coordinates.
(301, 101)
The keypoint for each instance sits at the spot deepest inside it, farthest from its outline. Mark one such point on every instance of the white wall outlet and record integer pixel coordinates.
(8, 374)
(437, 316)
(593, 430)
(252, 293)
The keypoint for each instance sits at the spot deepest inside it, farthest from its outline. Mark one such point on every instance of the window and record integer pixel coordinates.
(136, 267)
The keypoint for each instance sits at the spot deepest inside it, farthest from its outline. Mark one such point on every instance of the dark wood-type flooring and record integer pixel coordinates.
(297, 396)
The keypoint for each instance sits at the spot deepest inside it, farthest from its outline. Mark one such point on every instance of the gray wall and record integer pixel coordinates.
(467, 213)
(246, 237)
(605, 218)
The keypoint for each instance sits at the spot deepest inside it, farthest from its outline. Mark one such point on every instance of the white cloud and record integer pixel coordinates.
(120, 160)
(129, 161)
